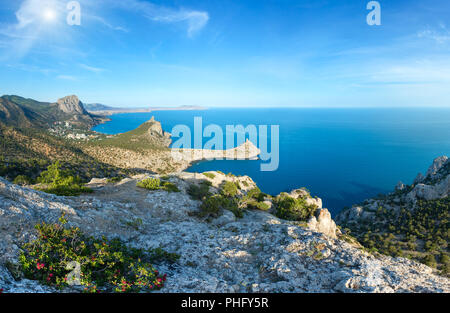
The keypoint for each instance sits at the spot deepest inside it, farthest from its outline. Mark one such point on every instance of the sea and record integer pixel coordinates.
(342, 155)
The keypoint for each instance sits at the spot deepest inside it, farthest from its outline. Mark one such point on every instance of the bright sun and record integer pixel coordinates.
(49, 15)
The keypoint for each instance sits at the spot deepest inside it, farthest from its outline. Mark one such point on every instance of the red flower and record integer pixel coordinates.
(40, 266)
(164, 277)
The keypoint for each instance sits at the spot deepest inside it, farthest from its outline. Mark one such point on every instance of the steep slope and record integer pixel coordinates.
(27, 113)
(257, 253)
(413, 221)
(148, 136)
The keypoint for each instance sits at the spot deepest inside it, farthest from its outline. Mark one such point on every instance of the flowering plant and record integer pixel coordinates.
(104, 265)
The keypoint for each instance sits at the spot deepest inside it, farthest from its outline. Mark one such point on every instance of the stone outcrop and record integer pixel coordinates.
(430, 192)
(302, 193)
(155, 129)
(434, 185)
(258, 253)
(323, 223)
(71, 105)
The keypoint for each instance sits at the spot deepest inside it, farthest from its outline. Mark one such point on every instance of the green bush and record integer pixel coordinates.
(170, 187)
(209, 175)
(229, 189)
(105, 265)
(262, 206)
(211, 206)
(430, 260)
(60, 182)
(256, 194)
(150, 184)
(199, 192)
(22, 180)
(293, 209)
(114, 180)
(156, 184)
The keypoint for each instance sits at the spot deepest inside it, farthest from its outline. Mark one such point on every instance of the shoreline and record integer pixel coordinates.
(180, 160)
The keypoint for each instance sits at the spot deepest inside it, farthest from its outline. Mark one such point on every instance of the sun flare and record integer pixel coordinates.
(49, 14)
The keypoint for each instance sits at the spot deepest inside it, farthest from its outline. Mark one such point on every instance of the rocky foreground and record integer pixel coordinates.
(258, 253)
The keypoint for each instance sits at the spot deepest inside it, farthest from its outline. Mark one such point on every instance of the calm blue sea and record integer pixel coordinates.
(341, 155)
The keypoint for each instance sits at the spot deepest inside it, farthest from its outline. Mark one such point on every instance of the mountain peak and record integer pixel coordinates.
(71, 104)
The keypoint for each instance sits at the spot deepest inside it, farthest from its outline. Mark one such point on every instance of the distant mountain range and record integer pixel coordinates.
(97, 107)
(102, 109)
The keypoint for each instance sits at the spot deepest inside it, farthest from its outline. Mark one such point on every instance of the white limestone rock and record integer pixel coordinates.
(258, 253)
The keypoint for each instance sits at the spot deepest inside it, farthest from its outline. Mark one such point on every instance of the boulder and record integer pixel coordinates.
(323, 223)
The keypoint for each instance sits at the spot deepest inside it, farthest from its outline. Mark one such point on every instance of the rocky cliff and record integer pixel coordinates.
(256, 253)
(71, 105)
(412, 221)
(433, 186)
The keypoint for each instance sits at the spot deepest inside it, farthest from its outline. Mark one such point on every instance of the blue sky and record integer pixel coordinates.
(228, 53)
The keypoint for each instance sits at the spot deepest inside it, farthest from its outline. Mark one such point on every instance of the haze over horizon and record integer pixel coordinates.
(314, 53)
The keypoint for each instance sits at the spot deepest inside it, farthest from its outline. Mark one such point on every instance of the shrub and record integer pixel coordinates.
(60, 182)
(211, 206)
(199, 192)
(156, 184)
(114, 180)
(170, 187)
(430, 260)
(262, 206)
(229, 189)
(105, 265)
(233, 205)
(293, 209)
(150, 184)
(22, 180)
(256, 194)
(209, 175)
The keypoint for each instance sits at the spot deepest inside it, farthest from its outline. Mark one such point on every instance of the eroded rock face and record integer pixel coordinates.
(323, 223)
(156, 128)
(258, 253)
(438, 164)
(430, 192)
(71, 105)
